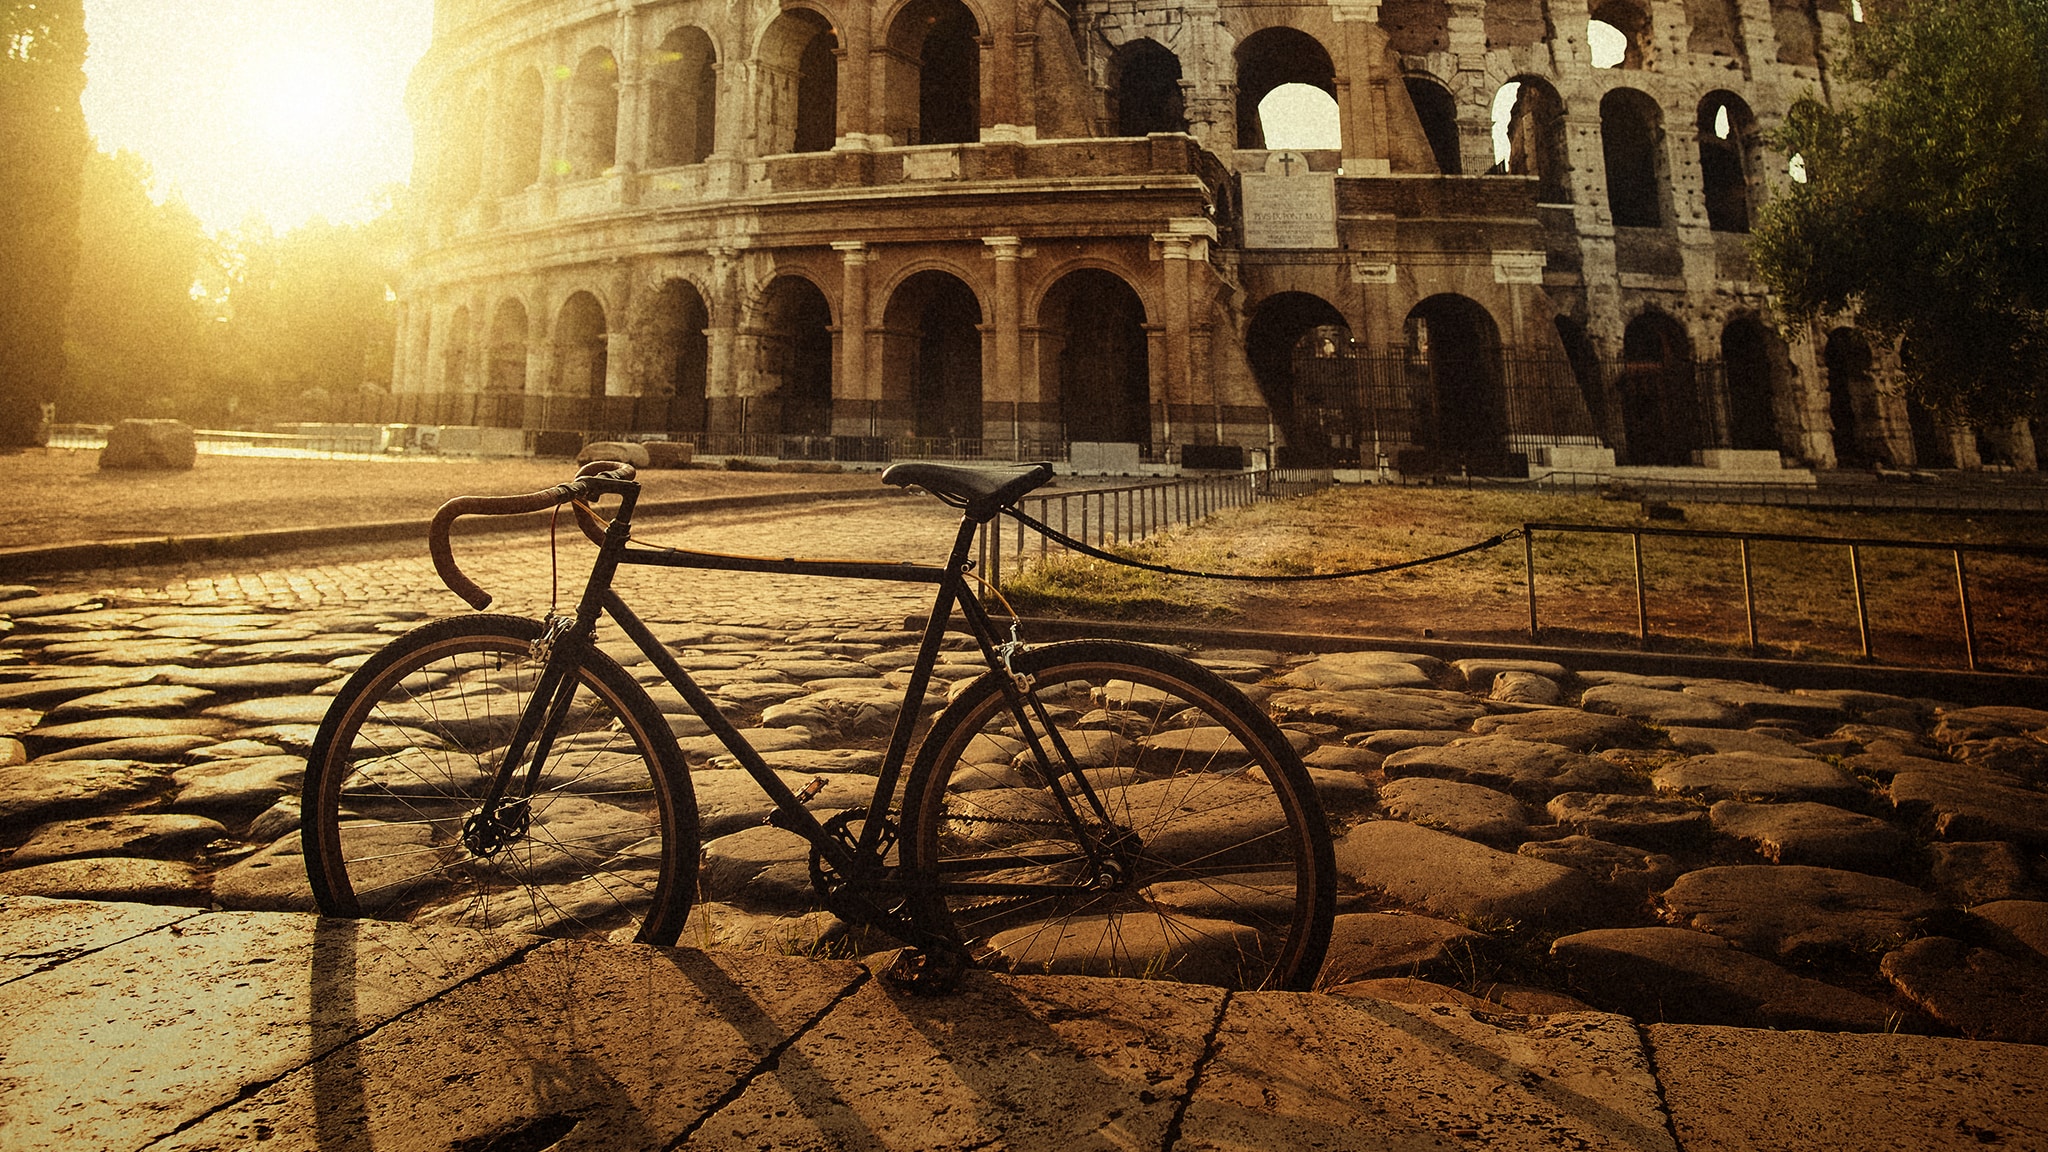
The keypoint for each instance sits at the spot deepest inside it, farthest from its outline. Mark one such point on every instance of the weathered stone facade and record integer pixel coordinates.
(945, 227)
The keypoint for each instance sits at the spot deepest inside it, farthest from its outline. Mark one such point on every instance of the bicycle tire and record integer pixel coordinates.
(405, 755)
(1225, 873)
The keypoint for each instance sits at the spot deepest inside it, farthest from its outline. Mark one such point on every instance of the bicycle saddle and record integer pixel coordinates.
(982, 492)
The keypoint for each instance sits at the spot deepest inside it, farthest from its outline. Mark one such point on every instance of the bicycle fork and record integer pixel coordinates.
(501, 820)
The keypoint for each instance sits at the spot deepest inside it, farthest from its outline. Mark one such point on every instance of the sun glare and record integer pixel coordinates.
(302, 100)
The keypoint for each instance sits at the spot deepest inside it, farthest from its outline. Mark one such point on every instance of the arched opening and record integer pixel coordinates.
(1852, 398)
(934, 62)
(1095, 324)
(582, 350)
(932, 355)
(1268, 59)
(798, 109)
(1798, 34)
(1298, 116)
(1632, 140)
(1716, 27)
(519, 165)
(1752, 359)
(1659, 391)
(508, 349)
(1529, 138)
(679, 351)
(683, 91)
(1728, 144)
(1618, 34)
(1144, 89)
(1932, 445)
(1299, 347)
(463, 159)
(1438, 112)
(592, 140)
(455, 353)
(1454, 341)
(1585, 363)
(795, 339)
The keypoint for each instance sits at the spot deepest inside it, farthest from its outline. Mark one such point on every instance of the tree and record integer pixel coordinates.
(43, 138)
(1924, 208)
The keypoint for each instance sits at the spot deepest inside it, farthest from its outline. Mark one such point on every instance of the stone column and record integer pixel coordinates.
(721, 336)
(1174, 250)
(853, 320)
(1004, 384)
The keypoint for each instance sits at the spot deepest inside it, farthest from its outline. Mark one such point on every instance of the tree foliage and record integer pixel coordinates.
(1925, 204)
(43, 138)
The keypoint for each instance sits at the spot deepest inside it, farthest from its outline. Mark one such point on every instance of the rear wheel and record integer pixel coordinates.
(1184, 840)
(603, 844)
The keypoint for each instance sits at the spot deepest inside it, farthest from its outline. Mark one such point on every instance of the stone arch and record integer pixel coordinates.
(1631, 18)
(1455, 341)
(1798, 35)
(1299, 345)
(1535, 133)
(934, 74)
(508, 350)
(591, 136)
(1730, 157)
(1716, 27)
(793, 338)
(1658, 389)
(1144, 89)
(798, 104)
(1438, 111)
(582, 347)
(931, 355)
(1933, 446)
(1756, 366)
(1852, 398)
(1095, 357)
(683, 98)
(1269, 58)
(519, 160)
(678, 353)
(1632, 142)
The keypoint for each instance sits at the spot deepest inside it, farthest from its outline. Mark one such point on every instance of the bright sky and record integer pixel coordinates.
(284, 108)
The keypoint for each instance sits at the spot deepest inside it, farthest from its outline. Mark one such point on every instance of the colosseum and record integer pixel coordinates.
(1496, 236)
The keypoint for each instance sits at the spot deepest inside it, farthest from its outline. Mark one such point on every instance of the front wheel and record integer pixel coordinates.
(603, 843)
(1131, 815)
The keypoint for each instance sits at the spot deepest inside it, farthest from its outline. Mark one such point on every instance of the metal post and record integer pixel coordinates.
(1862, 605)
(1748, 596)
(1642, 606)
(995, 553)
(1529, 574)
(1969, 625)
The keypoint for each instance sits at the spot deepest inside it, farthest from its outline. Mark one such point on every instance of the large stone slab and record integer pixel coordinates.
(38, 933)
(1534, 772)
(1749, 776)
(237, 788)
(1828, 1091)
(35, 793)
(2022, 924)
(150, 835)
(1984, 995)
(1789, 910)
(1344, 671)
(275, 710)
(1371, 711)
(60, 736)
(1706, 741)
(1670, 974)
(1466, 810)
(1369, 944)
(1657, 706)
(1806, 833)
(1449, 876)
(1644, 821)
(1569, 727)
(142, 700)
(272, 879)
(168, 749)
(1479, 672)
(1970, 805)
(154, 1007)
(1764, 702)
(47, 692)
(1337, 1073)
(253, 679)
(1020, 1063)
(574, 1046)
(118, 878)
(1629, 874)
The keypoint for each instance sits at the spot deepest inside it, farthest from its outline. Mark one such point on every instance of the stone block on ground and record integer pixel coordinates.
(1643, 821)
(1480, 673)
(152, 835)
(273, 879)
(1534, 772)
(1706, 741)
(1791, 910)
(1970, 805)
(1980, 872)
(39, 792)
(142, 700)
(1631, 875)
(1749, 776)
(1807, 833)
(1656, 706)
(232, 789)
(1514, 687)
(1345, 671)
(1371, 711)
(1764, 702)
(1368, 944)
(668, 454)
(38, 933)
(1449, 876)
(1984, 995)
(158, 445)
(1569, 727)
(621, 451)
(2021, 926)
(170, 749)
(1467, 810)
(117, 878)
(1678, 976)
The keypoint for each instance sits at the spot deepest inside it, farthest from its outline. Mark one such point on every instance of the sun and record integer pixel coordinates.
(304, 100)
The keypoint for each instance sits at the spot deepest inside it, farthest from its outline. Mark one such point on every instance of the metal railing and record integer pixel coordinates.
(1853, 547)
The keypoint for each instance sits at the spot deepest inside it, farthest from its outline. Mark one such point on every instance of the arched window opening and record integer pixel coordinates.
(1658, 388)
(593, 128)
(1299, 347)
(1798, 34)
(508, 349)
(679, 354)
(798, 109)
(1852, 397)
(1933, 447)
(1438, 112)
(1529, 137)
(1728, 155)
(1716, 27)
(582, 349)
(1618, 34)
(1095, 325)
(1753, 361)
(1454, 345)
(932, 356)
(455, 353)
(519, 166)
(1268, 59)
(1632, 140)
(796, 360)
(1298, 116)
(934, 90)
(683, 90)
(1144, 92)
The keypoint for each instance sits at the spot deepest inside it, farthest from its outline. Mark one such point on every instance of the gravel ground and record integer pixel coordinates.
(75, 502)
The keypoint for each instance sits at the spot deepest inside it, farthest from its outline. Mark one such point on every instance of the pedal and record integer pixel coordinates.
(775, 818)
(811, 790)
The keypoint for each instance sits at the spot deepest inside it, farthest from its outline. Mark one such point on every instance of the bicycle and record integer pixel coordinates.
(1089, 807)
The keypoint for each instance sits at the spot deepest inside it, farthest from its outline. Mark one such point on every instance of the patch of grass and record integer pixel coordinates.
(1070, 585)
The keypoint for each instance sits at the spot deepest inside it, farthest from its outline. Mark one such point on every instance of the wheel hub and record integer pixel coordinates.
(487, 832)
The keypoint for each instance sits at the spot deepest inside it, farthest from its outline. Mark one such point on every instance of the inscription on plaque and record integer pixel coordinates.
(1288, 206)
